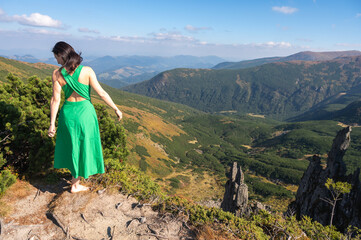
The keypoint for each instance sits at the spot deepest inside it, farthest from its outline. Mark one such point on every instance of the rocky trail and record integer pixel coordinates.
(37, 211)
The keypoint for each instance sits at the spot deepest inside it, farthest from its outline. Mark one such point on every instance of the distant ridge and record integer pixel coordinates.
(119, 71)
(280, 90)
(124, 70)
(303, 56)
(25, 58)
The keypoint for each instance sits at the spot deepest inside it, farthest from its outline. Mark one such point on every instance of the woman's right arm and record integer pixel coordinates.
(54, 103)
(93, 82)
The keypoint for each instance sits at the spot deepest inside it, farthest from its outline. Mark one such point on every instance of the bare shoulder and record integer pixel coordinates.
(56, 71)
(88, 69)
(90, 74)
(56, 74)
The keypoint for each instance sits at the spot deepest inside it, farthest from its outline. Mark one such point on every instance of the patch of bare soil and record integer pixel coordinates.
(39, 211)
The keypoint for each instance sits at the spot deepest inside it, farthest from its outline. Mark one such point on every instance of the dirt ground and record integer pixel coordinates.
(32, 211)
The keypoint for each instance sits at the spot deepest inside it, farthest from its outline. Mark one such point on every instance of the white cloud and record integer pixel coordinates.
(154, 44)
(43, 31)
(38, 20)
(126, 39)
(171, 36)
(272, 44)
(193, 29)
(358, 15)
(87, 30)
(34, 19)
(284, 9)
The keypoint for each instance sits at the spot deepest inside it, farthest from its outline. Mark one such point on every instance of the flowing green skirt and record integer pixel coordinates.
(78, 146)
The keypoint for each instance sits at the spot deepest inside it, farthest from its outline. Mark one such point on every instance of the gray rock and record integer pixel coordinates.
(312, 188)
(235, 198)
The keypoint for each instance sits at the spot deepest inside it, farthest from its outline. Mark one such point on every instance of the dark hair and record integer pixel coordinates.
(67, 53)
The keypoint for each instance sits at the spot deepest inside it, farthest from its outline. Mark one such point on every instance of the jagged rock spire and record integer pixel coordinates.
(312, 188)
(235, 198)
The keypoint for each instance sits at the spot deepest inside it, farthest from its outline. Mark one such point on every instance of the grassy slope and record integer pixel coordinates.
(24, 70)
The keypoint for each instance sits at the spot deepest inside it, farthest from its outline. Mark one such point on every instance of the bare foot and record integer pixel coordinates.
(79, 188)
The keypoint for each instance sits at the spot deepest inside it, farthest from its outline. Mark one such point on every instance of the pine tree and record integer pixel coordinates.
(337, 189)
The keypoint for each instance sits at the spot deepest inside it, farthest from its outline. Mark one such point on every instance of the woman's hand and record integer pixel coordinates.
(51, 131)
(119, 114)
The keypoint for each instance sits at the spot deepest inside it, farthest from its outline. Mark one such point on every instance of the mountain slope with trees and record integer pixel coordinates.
(278, 90)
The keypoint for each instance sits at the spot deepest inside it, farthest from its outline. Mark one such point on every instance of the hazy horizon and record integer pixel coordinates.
(10, 53)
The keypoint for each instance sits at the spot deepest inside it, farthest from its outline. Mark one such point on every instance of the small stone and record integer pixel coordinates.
(101, 191)
(118, 205)
(142, 219)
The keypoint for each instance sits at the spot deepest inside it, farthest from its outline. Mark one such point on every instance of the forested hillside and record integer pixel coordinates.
(344, 107)
(277, 90)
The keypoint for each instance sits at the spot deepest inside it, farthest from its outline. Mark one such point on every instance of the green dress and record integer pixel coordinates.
(78, 145)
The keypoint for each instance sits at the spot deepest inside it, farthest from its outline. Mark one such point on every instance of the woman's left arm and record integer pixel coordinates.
(54, 103)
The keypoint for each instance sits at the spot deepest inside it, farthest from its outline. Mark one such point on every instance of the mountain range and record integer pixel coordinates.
(280, 90)
(119, 71)
(124, 70)
(302, 56)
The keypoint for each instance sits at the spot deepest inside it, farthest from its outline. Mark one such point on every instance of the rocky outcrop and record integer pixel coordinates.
(46, 212)
(312, 188)
(235, 198)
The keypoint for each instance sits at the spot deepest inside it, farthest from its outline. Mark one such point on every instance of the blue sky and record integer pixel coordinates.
(234, 30)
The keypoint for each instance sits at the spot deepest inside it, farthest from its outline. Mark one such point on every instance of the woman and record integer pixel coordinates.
(78, 146)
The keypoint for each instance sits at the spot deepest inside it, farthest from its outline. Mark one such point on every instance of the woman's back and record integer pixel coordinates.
(82, 76)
